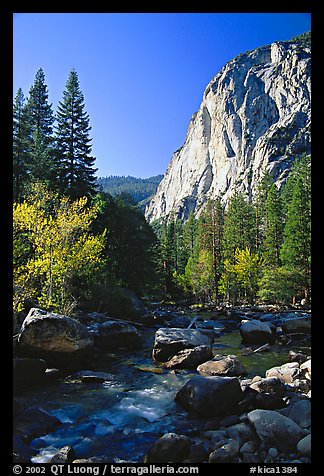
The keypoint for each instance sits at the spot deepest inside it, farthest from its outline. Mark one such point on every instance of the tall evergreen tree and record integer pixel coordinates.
(21, 172)
(239, 226)
(260, 210)
(211, 229)
(41, 119)
(75, 171)
(296, 248)
(273, 234)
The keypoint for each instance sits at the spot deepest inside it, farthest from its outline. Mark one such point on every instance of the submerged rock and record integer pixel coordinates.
(35, 421)
(27, 370)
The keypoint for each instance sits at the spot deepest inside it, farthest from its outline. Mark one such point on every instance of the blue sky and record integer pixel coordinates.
(142, 74)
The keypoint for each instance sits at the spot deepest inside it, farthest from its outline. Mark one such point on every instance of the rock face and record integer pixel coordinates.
(58, 339)
(254, 116)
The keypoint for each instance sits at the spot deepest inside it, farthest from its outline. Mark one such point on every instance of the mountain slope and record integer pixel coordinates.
(255, 116)
(139, 189)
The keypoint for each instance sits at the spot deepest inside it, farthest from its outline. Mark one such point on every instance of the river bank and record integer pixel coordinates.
(122, 403)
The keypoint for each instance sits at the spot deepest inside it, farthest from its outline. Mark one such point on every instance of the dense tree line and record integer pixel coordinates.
(248, 251)
(139, 189)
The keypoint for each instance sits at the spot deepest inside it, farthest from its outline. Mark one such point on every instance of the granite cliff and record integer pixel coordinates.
(255, 116)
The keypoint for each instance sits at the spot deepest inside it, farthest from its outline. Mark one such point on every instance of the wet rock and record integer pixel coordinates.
(58, 339)
(28, 370)
(88, 376)
(35, 421)
(276, 430)
(169, 341)
(304, 445)
(225, 453)
(111, 335)
(256, 332)
(226, 365)
(190, 358)
(64, 455)
(210, 396)
(169, 448)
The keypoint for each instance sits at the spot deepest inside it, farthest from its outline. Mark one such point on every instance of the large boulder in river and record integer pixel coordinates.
(297, 325)
(226, 365)
(276, 430)
(59, 340)
(114, 334)
(256, 332)
(169, 341)
(210, 396)
(190, 358)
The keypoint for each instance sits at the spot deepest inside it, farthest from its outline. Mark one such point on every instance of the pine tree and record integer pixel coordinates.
(21, 172)
(75, 172)
(273, 234)
(296, 248)
(239, 226)
(211, 229)
(41, 119)
(260, 210)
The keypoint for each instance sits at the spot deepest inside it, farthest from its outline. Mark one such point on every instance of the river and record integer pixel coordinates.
(120, 418)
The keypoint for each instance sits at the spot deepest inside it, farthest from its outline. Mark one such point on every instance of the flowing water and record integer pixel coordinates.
(120, 418)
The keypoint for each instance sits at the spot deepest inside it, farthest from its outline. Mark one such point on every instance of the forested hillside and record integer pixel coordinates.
(139, 189)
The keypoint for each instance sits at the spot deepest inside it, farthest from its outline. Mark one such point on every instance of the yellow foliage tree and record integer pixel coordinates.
(54, 251)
